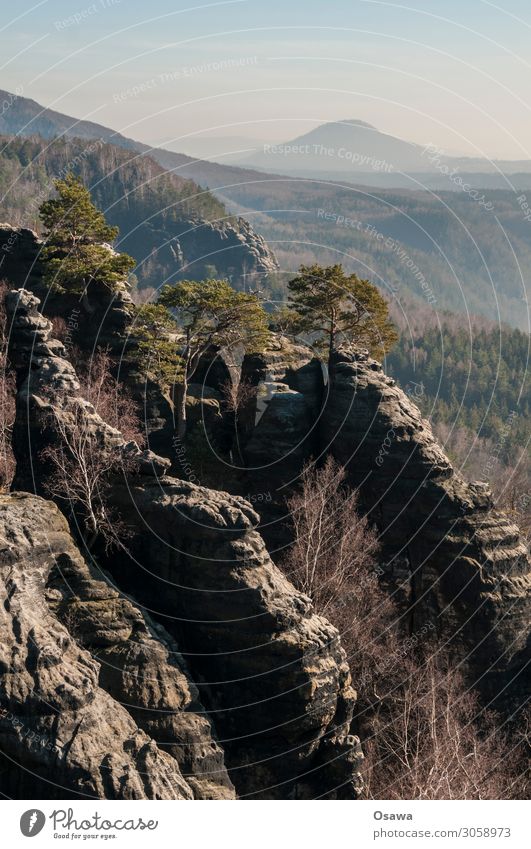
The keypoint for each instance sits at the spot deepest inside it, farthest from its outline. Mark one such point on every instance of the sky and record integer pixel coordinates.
(455, 74)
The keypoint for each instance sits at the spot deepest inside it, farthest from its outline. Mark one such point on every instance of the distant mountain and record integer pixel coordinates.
(342, 146)
(349, 151)
(473, 254)
(355, 151)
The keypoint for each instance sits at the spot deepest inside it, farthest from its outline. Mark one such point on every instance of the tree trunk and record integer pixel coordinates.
(181, 391)
(331, 346)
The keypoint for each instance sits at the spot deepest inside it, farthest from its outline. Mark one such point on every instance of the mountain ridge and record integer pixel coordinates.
(25, 116)
(335, 147)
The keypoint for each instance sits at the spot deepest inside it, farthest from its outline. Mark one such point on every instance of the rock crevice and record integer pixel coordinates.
(271, 673)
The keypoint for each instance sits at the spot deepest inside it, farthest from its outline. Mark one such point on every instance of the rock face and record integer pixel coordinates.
(190, 249)
(462, 564)
(278, 430)
(283, 417)
(100, 319)
(234, 249)
(63, 729)
(271, 672)
(49, 399)
(451, 560)
(141, 668)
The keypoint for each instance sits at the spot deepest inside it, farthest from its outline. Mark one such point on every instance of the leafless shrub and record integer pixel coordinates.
(109, 397)
(333, 559)
(81, 471)
(236, 395)
(424, 733)
(82, 465)
(334, 549)
(431, 739)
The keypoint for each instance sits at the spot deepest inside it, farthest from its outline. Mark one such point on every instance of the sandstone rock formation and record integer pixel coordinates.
(451, 560)
(232, 247)
(461, 563)
(283, 419)
(272, 673)
(62, 733)
(193, 245)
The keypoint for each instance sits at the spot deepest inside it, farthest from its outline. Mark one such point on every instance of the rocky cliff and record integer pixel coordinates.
(451, 561)
(88, 685)
(271, 673)
(463, 565)
(450, 558)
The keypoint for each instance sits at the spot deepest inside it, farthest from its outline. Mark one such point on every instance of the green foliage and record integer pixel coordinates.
(211, 312)
(190, 317)
(76, 233)
(339, 310)
(149, 205)
(158, 354)
(469, 379)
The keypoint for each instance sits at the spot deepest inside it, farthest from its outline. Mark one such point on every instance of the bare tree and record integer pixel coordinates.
(237, 396)
(82, 465)
(333, 559)
(424, 733)
(334, 548)
(81, 471)
(110, 398)
(433, 740)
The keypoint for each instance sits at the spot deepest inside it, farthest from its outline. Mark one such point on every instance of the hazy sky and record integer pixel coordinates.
(452, 73)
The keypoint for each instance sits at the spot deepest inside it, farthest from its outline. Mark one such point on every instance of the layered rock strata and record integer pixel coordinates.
(271, 673)
(64, 732)
(463, 565)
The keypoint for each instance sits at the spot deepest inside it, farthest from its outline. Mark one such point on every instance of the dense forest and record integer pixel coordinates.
(148, 204)
(440, 248)
(472, 382)
(30, 163)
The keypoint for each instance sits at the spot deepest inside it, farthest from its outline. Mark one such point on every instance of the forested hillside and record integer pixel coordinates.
(27, 163)
(460, 251)
(473, 384)
(167, 223)
(443, 248)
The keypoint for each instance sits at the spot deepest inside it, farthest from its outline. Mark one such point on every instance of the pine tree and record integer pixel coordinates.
(77, 248)
(210, 312)
(339, 310)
